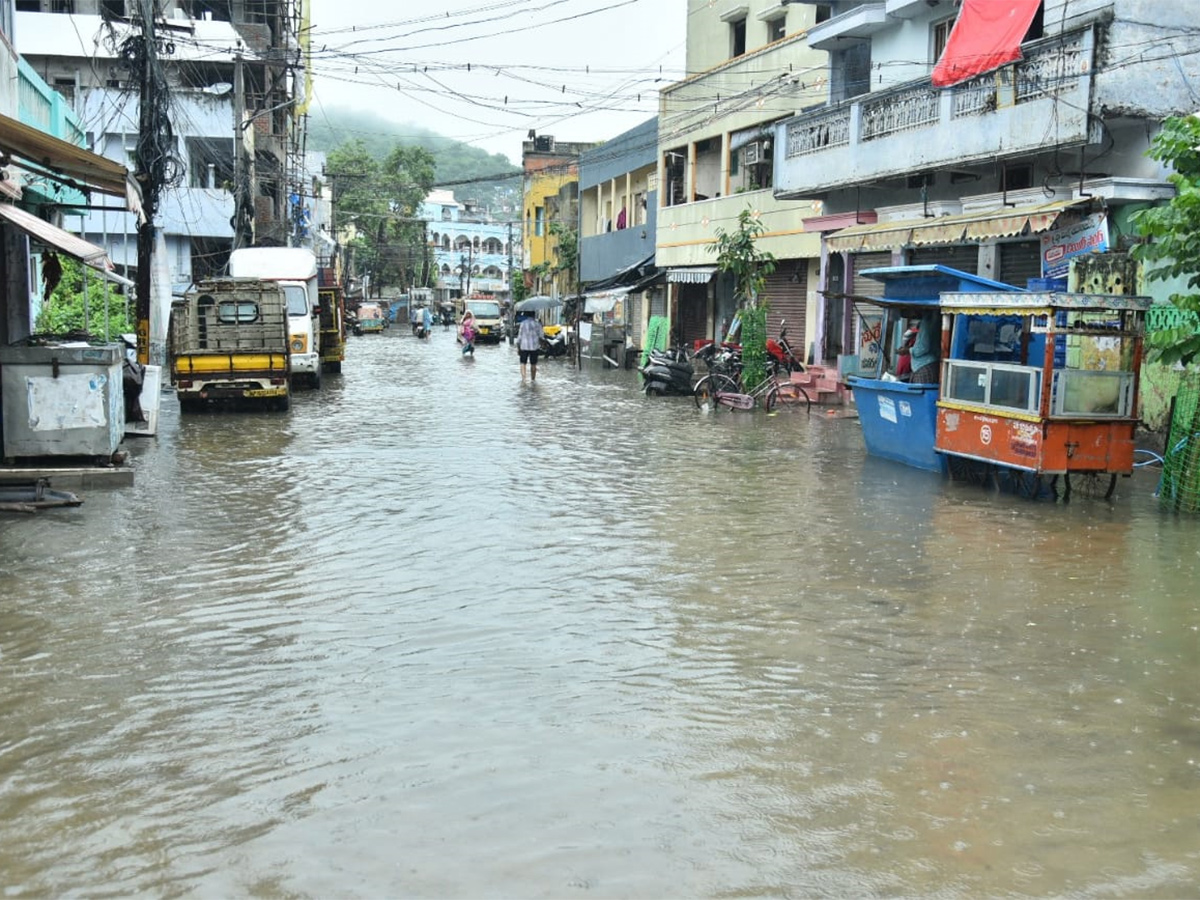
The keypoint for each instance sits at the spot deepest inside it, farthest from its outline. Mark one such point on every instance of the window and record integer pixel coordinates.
(539, 221)
(737, 33)
(941, 33)
(114, 9)
(237, 312)
(1016, 178)
(28, 6)
(62, 6)
(776, 29)
(66, 87)
(673, 164)
(297, 299)
(856, 71)
(824, 12)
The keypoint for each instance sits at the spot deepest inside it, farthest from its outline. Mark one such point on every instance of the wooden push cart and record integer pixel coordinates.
(1040, 385)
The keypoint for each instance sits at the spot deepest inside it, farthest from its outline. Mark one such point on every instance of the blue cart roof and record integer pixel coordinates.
(922, 285)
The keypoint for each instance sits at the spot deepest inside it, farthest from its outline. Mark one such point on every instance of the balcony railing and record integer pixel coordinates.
(1052, 67)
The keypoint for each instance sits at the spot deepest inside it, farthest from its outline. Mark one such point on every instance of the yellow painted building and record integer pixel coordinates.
(551, 194)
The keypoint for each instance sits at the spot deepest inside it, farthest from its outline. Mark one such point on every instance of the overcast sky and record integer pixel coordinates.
(580, 70)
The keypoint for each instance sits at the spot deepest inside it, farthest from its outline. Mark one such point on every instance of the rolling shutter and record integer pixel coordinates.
(693, 312)
(789, 300)
(868, 287)
(964, 257)
(1019, 261)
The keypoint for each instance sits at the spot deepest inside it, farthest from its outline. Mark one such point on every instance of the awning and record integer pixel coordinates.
(691, 275)
(995, 223)
(603, 301)
(53, 236)
(761, 131)
(58, 157)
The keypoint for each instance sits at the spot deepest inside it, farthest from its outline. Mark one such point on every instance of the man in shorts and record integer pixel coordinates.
(529, 341)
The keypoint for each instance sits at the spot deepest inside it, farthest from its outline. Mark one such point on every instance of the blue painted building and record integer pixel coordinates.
(471, 253)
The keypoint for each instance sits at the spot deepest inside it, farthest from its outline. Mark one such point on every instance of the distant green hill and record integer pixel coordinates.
(456, 161)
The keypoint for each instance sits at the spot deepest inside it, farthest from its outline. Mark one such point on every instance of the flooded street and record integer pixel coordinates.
(436, 633)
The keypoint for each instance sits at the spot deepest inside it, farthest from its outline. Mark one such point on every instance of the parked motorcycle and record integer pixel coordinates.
(667, 372)
(781, 351)
(556, 344)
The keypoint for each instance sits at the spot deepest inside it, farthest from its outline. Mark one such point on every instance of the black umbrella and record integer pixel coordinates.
(537, 303)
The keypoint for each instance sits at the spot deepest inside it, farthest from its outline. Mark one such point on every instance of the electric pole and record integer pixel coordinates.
(146, 177)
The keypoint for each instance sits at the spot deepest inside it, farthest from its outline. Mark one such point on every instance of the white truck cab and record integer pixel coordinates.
(296, 271)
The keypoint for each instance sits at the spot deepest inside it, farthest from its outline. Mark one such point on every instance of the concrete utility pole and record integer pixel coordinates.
(239, 115)
(150, 172)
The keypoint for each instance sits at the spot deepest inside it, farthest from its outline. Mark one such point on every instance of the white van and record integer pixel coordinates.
(296, 271)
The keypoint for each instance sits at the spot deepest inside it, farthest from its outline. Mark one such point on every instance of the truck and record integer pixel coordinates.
(229, 343)
(332, 301)
(295, 269)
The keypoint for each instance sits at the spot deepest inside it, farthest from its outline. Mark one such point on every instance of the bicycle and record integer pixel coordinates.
(720, 389)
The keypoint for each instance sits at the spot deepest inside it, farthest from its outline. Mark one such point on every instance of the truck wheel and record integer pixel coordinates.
(284, 403)
(316, 379)
(190, 405)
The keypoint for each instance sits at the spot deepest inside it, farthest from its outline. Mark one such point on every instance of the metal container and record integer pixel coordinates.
(62, 399)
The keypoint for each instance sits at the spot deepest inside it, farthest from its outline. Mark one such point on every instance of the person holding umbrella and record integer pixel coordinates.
(529, 341)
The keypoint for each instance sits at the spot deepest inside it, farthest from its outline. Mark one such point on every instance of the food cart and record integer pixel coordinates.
(1038, 385)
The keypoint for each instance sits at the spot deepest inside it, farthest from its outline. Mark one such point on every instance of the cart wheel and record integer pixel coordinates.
(1030, 485)
(969, 471)
(1093, 485)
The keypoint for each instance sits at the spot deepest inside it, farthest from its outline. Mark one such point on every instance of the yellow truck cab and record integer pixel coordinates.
(229, 344)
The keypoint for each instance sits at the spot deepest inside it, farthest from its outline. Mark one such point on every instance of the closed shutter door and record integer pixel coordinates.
(693, 313)
(658, 302)
(964, 257)
(634, 304)
(868, 287)
(1020, 261)
(789, 300)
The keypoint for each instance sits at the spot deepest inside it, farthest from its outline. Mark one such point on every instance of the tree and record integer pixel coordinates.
(382, 200)
(1173, 232)
(739, 255)
(66, 311)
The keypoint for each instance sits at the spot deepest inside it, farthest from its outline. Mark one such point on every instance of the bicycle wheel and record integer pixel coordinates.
(709, 386)
(770, 399)
(793, 395)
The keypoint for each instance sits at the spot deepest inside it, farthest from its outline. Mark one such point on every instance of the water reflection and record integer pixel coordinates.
(586, 641)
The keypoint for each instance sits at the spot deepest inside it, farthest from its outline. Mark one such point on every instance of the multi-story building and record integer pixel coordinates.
(618, 212)
(754, 67)
(950, 137)
(471, 253)
(551, 196)
(47, 178)
(231, 67)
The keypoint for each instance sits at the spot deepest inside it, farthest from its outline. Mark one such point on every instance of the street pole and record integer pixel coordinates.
(149, 176)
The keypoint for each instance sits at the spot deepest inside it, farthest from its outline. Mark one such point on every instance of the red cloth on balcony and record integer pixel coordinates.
(986, 35)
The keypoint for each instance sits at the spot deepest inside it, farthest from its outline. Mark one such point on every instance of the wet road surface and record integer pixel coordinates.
(438, 633)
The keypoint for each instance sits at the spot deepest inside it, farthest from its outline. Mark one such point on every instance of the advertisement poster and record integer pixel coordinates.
(1061, 245)
(869, 347)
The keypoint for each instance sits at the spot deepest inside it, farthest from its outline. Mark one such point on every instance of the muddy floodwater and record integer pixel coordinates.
(438, 633)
